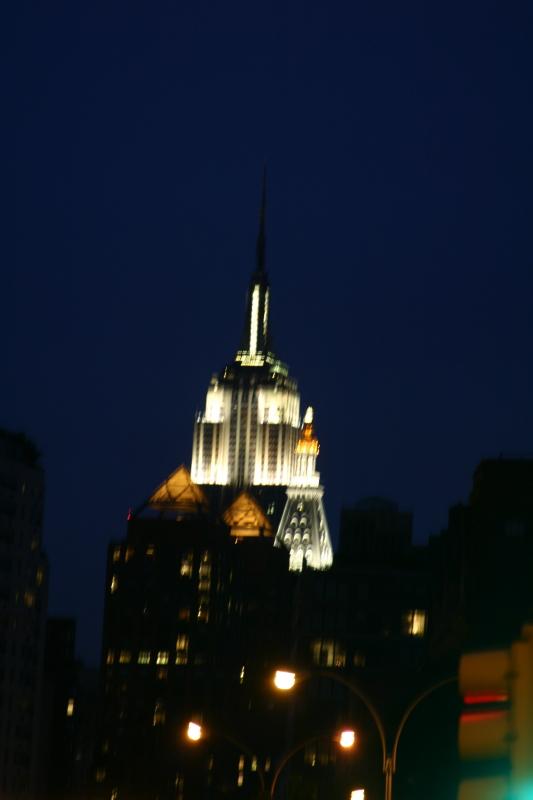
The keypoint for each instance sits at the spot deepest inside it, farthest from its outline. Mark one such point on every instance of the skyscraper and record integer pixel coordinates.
(23, 601)
(250, 433)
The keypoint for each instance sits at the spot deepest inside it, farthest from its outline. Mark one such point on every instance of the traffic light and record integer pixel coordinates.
(522, 741)
(496, 726)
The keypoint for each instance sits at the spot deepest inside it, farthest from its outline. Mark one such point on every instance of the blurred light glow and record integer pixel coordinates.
(194, 731)
(347, 739)
(284, 680)
(357, 794)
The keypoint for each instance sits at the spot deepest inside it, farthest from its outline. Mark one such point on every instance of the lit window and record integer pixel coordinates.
(162, 673)
(159, 714)
(70, 707)
(414, 622)
(39, 577)
(29, 599)
(241, 676)
(187, 565)
(268, 764)
(100, 775)
(203, 612)
(206, 557)
(130, 552)
(124, 657)
(150, 550)
(162, 657)
(114, 794)
(253, 766)
(241, 763)
(184, 614)
(110, 659)
(359, 659)
(328, 653)
(116, 554)
(271, 508)
(211, 763)
(240, 779)
(144, 657)
(114, 584)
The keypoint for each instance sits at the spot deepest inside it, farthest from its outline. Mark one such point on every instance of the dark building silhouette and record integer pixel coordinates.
(368, 619)
(484, 559)
(70, 714)
(197, 615)
(23, 602)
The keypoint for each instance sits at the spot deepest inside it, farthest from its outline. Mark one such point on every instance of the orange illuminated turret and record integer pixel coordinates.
(306, 452)
(308, 443)
(303, 528)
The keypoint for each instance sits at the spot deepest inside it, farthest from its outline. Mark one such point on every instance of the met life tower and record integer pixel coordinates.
(250, 433)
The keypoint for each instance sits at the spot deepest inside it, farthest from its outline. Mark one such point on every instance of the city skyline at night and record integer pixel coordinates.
(399, 248)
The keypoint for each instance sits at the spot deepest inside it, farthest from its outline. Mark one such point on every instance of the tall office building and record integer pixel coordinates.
(198, 598)
(250, 433)
(196, 619)
(23, 599)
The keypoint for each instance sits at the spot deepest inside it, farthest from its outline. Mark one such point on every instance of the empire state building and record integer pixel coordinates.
(250, 433)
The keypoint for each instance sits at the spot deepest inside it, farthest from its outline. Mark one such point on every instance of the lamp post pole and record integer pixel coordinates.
(389, 756)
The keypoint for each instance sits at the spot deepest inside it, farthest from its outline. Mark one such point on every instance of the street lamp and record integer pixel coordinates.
(287, 680)
(347, 739)
(194, 731)
(284, 680)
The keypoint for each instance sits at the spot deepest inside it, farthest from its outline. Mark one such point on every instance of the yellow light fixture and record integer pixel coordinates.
(194, 731)
(284, 680)
(347, 739)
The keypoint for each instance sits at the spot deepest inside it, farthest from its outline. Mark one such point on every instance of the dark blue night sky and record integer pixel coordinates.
(398, 139)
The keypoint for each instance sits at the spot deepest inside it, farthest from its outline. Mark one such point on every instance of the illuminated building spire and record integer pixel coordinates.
(303, 528)
(260, 247)
(255, 343)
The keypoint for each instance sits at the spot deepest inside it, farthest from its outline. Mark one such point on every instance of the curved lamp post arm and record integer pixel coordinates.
(354, 689)
(287, 757)
(409, 710)
(250, 754)
(240, 745)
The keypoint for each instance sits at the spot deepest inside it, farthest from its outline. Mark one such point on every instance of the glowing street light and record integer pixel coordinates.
(194, 731)
(347, 740)
(357, 794)
(284, 680)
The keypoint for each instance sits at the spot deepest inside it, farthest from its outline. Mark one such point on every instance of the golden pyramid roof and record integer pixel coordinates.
(245, 517)
(180, 492)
